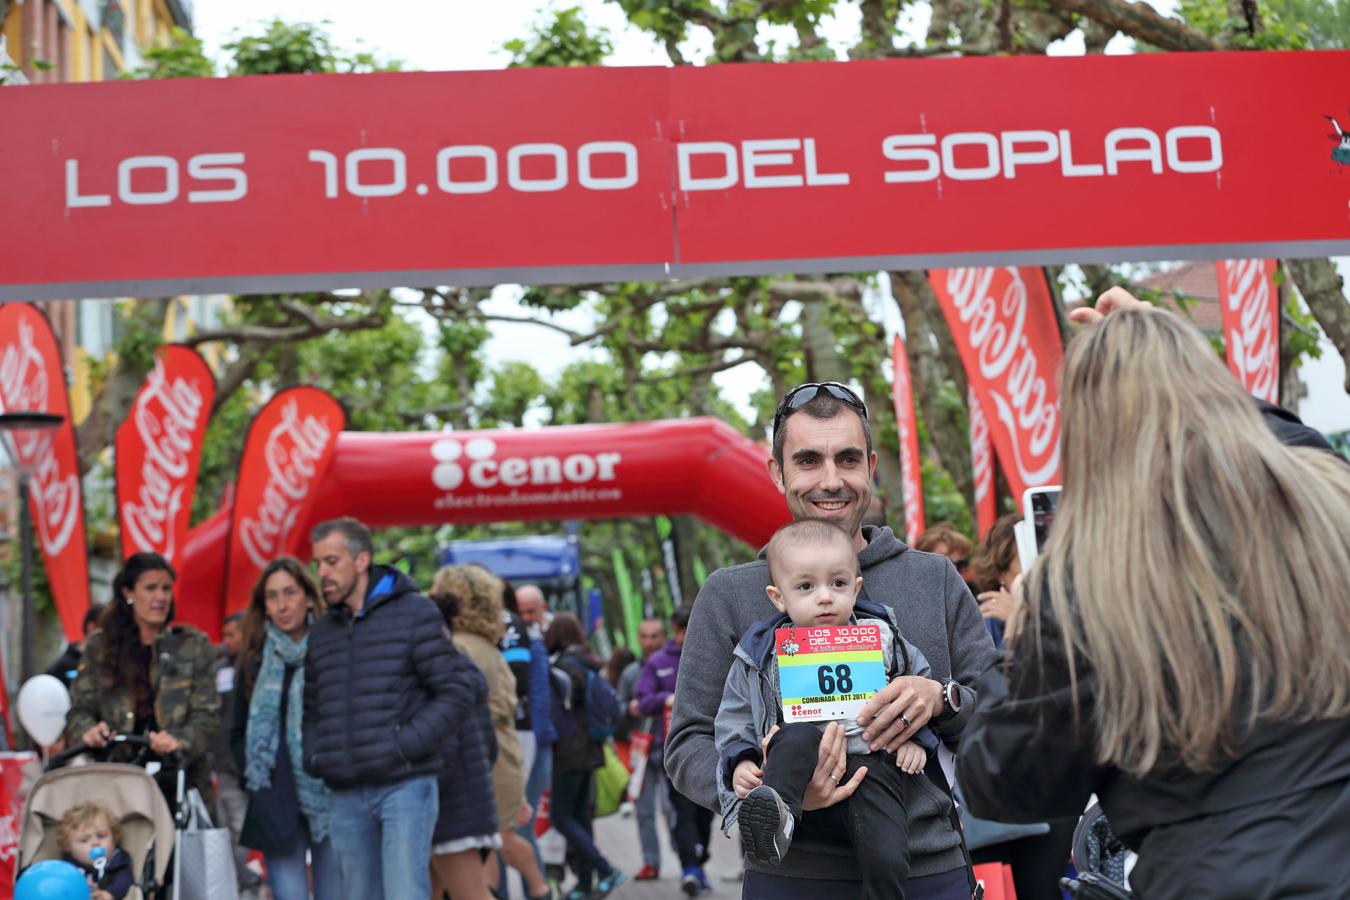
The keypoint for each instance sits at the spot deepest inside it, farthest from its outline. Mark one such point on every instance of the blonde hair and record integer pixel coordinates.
(1196, 564)
(81, 815)
(480, 599)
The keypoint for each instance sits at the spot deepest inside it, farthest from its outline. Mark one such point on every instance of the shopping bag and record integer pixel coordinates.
(611, 782)
(639, 747)
(997, 880)
(204, 862)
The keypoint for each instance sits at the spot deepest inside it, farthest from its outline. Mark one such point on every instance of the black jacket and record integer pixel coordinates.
(1289, 428)
(578, 751)
(382, 690)
(1268, 823)
(273, 822)
(468, 806)
(117, 875)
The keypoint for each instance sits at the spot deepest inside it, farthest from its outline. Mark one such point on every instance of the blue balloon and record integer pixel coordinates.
(52, 879)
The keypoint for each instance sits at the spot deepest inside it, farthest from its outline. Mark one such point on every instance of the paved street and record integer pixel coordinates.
(617, 836)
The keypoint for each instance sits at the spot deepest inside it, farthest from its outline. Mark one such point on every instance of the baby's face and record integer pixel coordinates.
(816, 585)
(85, 837)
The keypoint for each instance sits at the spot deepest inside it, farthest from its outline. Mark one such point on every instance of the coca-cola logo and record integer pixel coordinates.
(981, 454)
(292, 452)
(994, 329)
(911, 483)
(24, 385)
(1249, 316)
(166, 415)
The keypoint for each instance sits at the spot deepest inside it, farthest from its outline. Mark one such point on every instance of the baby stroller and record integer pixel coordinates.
(129, 792)
(1101, 859)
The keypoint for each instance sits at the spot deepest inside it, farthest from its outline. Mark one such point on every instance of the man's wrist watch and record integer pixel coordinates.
(951, 700)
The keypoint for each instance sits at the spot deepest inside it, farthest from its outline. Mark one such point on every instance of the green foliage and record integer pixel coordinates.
(1210, 18)
(182, 57)
(1323, 24)
(565, 40)
(298, 48)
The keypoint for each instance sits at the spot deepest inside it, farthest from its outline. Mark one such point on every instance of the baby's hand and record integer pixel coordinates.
(910, 757)
(746, 778)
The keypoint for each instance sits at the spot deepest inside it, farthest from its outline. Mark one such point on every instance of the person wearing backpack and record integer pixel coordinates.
(655, 697)
(579, 752)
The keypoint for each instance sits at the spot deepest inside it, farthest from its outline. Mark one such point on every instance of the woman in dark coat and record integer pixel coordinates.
(467, 829)
(1181, 651)
(575, 760)
(288, 810)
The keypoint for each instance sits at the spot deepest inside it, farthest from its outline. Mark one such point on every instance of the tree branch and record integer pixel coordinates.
(310, 325)
(1322, 290)
(1139, 21)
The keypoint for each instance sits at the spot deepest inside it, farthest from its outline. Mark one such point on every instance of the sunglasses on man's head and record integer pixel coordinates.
(803, 394)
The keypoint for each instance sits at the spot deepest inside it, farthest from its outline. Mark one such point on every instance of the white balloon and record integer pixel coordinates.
(43, 704)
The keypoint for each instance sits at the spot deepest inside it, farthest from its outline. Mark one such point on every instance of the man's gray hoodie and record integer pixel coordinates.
(937, 614)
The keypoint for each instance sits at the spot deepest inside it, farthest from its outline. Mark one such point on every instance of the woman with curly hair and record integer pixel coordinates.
(476, 627)
(143, 675)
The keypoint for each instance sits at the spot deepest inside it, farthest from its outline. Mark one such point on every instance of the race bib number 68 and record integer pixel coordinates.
(829, 672)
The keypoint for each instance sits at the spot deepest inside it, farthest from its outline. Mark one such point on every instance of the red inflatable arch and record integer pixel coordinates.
(700, 467)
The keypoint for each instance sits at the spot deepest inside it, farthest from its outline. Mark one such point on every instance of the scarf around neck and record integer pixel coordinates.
(280, 653)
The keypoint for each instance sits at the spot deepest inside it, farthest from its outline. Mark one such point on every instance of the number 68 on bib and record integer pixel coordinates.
(828, 672)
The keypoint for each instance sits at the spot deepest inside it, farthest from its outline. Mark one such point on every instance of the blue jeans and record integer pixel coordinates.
(286, 872)
(382, 838)
(541, 775)
(655, 792)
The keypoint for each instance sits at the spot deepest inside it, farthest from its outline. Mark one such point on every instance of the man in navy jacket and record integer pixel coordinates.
(382, 693)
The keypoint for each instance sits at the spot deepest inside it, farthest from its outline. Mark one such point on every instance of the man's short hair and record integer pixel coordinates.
(811, 532)
(821, 406)
(679, 620)
(91, 617)
(234, 618)
(354, 534)
(944, 533)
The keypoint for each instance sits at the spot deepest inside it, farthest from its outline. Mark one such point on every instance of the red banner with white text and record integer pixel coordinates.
(1003, 322)
(911, 467)
(982, 466)
(32, 379)
(606, 174)
(1250, 301)
(286, 457)
(159, 448)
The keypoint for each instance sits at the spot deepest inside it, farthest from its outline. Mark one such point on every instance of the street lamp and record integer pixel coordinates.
(21, 421)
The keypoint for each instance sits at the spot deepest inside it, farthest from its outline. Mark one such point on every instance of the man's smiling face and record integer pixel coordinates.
(826, 472)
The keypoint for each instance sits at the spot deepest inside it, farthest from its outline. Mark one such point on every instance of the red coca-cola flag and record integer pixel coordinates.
(1004, 325)
(286, 456)
(911, 471)
(1251, 323)
(159, 448)
(982, 465)
(32, 380)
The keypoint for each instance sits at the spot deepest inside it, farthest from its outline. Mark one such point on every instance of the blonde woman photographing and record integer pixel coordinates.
(1183, 646)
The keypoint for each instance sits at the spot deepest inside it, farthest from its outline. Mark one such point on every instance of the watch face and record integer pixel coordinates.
(953, 696)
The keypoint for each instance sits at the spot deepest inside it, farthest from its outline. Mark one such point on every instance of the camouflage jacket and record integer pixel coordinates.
(183, 678)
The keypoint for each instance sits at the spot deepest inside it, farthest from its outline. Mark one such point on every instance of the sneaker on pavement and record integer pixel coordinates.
(648, 872)
(766, 826)
(578, 894)
(693, 882)
(608, 883)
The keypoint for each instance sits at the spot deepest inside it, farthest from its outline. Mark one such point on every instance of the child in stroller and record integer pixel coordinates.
(132, 800)
(91, 838)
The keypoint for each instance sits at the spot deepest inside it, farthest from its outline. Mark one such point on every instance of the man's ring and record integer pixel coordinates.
(905, 719)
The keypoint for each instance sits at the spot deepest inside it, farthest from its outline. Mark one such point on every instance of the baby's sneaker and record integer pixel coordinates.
(766, 826)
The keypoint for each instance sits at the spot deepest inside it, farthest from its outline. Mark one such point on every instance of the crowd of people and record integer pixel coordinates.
(1177, 651)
